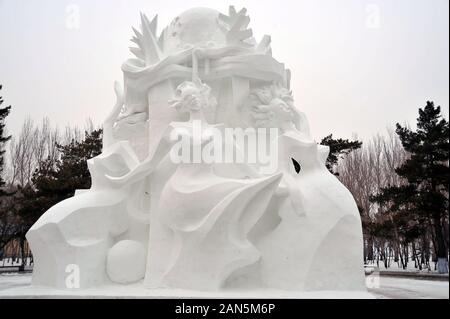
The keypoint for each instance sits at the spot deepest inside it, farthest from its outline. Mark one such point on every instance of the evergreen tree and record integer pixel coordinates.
(423, 201)
(54, 182)
(339, 148)
(6, 229)
(4, 112)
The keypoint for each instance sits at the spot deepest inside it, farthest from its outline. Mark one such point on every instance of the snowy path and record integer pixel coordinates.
(406, 288)
(389, 287)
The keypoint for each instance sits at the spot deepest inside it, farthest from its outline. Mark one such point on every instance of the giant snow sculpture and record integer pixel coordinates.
(157, 214)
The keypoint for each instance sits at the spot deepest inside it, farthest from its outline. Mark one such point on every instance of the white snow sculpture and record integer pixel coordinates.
(80, 230)
(319, 219)
(186, 222)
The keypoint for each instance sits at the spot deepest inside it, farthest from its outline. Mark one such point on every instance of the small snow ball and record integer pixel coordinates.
(126, 262)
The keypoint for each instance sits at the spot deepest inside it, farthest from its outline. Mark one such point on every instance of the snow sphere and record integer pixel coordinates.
(126, 262)
(196, 27)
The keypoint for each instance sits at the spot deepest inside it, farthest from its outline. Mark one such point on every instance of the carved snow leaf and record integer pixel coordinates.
(264, 46)
(235, 25)
(162, 38)
(148, 49)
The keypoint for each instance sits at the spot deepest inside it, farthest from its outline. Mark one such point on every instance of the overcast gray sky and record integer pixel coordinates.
(358, 66)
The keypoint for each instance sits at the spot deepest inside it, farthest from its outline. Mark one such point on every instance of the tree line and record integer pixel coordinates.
(40, 167)
(400, 181)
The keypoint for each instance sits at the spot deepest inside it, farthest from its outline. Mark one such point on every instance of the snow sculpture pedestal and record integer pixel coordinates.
(176, 203)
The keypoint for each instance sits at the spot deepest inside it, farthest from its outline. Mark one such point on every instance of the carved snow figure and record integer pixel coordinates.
(208, 216)
(80, 230)
(204, 224)
(316, 219)
(275, 100)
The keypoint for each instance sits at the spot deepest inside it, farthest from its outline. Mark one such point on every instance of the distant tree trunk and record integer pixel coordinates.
(401, 261)
(417, 262)
(441, 251)
(22, 254)
(396, 253)
(370, 248)
(425, 255)
(406, 254)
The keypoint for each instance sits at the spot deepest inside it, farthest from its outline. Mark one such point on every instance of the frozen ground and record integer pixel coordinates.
(406, 288)
(12, 262)
(411, 267)
(14, 285)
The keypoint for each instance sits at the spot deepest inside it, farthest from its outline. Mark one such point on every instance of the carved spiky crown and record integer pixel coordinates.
(150, 48)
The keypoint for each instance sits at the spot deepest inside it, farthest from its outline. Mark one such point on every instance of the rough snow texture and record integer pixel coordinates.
(204, 226)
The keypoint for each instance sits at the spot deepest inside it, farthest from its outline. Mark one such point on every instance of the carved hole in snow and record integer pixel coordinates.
(297, 166)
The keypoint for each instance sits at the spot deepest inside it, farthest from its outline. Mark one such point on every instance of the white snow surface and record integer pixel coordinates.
(19, 286)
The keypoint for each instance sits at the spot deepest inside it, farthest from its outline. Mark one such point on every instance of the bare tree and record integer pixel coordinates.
(365, 172)
(22, 155)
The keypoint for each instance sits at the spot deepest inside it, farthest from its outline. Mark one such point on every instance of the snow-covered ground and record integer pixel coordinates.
(19, 285)
(406, 288)
(396, 266)
(13, 262)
